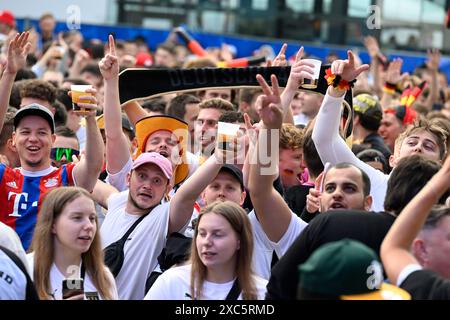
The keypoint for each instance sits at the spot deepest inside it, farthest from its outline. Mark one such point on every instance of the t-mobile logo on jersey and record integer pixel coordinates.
(23, 206)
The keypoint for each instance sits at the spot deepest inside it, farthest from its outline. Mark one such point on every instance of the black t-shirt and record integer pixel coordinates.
(368, 227)
(426, 285)
(295, 197)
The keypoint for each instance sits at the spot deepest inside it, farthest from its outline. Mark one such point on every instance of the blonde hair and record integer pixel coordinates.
(216, 103)
(291, 137)
(238, 219)
(432, 127)
(43, 244)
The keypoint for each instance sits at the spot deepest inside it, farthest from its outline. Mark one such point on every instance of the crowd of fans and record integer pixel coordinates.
(140, 200)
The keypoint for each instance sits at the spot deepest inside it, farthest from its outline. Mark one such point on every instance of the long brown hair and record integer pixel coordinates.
(238, 219)
(43, 244)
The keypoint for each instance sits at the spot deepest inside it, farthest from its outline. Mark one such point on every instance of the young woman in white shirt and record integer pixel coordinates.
(66, 245)
(221, 255)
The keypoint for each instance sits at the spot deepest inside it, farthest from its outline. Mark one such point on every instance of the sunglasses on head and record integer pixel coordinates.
(57, 154)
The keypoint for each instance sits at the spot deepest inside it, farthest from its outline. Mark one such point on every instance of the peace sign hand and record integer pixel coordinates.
(109, 65)
(269, 103)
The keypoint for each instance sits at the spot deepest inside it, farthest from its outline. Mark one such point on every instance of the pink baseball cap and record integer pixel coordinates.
(155, 158)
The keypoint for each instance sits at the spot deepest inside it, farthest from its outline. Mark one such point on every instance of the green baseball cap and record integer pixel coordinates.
(347, 269)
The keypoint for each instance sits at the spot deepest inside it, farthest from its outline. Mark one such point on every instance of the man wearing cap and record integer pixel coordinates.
(368, 115)
(22, 189)
(345, 270)
(216, 181)
(148, 184)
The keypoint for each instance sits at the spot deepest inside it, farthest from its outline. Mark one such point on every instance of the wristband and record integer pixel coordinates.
(337, 82)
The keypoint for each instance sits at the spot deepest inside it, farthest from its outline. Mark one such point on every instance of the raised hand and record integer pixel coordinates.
(372, 46)
(109, 65)
(347, 68)
(252, 129)
(434, 58)
(268, 104)
(89, 105)
(280, 59)
(393, 73)
(17, 53)
(299, 71)
(313, 200)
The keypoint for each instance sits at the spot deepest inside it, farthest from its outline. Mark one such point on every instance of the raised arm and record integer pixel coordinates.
(374, 51)
(88, 169)
(101, 193)
(299, 70)
(272, 211)
(434, 58)
(393, 77)
(117, 151)
(330, 145)
(134, 111)
(16, 59)
(395, 249)
(182, 203)
(252, 134)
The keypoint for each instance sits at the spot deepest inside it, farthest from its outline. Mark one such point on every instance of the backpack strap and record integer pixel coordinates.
(274, 259)
(31, 293)
(235, 291)
(129, 231)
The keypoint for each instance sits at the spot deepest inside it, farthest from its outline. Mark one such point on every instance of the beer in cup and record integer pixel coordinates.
(77, 92)
(312, 83)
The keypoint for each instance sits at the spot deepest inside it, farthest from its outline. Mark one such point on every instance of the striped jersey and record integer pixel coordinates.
(21, 193)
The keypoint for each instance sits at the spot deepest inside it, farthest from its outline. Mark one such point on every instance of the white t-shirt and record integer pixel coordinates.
(10, 240)
(56, 279)
(264, 248)
(143, 246)
(174, 284)
(13, 282)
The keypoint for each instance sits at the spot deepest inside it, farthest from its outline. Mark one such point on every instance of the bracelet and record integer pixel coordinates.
(337, 82)
(391, 88)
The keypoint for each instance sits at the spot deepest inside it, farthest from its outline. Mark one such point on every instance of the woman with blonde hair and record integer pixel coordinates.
(66, 245)
(220, 263)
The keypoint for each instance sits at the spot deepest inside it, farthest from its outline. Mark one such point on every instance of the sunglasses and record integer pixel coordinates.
(57, 154)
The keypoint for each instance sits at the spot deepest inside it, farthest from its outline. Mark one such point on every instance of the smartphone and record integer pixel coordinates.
(72, 287)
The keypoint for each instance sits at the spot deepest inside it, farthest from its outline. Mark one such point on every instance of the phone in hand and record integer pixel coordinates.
(72, 287)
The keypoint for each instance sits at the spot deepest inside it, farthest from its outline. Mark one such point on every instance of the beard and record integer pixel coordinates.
(33, 163)
(137, 205)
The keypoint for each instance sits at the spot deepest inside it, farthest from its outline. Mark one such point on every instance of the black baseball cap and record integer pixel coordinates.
(35, 109)
(235, 171)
